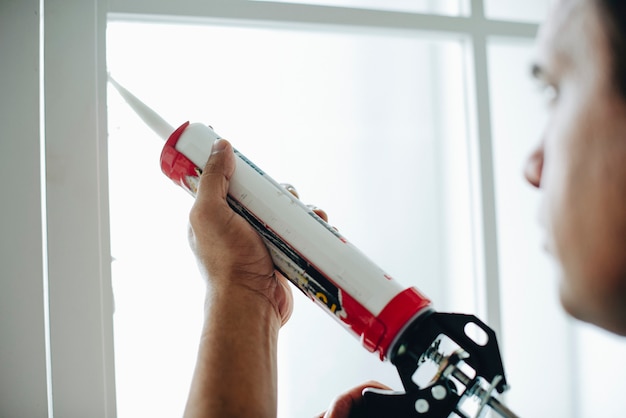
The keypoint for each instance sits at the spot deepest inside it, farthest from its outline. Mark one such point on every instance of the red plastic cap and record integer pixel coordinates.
(174, 164)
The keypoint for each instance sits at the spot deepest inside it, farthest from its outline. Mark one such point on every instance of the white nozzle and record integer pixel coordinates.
(149, 116)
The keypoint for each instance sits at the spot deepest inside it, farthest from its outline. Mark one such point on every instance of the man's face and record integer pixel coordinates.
(580, 165)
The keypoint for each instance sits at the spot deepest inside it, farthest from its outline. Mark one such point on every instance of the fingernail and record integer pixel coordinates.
(218, 146)
(290, 189)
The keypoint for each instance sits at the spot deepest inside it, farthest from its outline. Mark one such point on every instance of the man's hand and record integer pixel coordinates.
(231, 254)
(247, 301)
(347, 404)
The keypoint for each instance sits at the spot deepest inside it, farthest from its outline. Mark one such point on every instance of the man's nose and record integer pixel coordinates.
(534, 166)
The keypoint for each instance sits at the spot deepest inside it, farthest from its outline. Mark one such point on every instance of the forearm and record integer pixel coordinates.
(235, 373)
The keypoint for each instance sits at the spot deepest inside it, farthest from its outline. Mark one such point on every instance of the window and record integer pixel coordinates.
(353, 118)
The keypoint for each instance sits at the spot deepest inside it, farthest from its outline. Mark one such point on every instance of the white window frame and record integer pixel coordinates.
(79, 258)
(73, 275)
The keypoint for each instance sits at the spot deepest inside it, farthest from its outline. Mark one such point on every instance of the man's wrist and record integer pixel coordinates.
(241, 303)
(235, 372)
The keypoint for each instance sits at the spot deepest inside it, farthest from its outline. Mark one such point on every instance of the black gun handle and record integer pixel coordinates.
(435, 401)
(378, 403)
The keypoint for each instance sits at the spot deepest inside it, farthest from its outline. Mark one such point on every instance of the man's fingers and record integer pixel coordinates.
(290, 189)
(319, 212)
(217, 171)
(346, 402)
(210, 205)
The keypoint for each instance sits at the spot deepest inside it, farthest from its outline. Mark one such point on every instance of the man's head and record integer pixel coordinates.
(580, 164)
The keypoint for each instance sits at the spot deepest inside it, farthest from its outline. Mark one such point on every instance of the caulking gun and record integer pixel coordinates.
(397, 323)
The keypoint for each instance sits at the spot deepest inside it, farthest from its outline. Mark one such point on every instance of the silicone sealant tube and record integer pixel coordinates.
(310, 253)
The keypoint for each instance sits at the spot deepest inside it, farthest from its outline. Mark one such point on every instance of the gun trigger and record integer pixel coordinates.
(438, 400)
(379, 403)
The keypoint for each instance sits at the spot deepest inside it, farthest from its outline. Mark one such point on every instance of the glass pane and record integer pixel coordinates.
(528, 277)
(444, 7)
(370, 127)
(515, 10)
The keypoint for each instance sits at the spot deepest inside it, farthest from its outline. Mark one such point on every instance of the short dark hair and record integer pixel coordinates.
(613, 13)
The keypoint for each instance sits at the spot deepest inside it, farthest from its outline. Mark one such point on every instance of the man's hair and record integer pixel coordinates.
(613, 13)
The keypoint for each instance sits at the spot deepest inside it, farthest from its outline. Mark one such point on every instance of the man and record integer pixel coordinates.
(580, 166)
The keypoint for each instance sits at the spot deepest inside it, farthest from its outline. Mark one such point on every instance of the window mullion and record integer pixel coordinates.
(486, 222)
(478, 9)
(79, 279)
